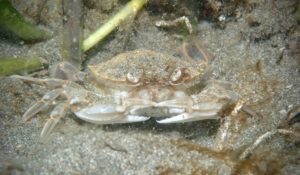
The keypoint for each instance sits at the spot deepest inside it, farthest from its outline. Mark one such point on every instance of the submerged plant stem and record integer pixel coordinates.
(9, 66)
(129, 11)
(72, 33)
(11, 20)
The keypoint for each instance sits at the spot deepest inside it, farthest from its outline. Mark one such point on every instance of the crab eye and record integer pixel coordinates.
(180, 74)
(134, 77)
(176, 75)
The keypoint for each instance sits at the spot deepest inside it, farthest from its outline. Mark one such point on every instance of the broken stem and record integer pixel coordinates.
(247, 153)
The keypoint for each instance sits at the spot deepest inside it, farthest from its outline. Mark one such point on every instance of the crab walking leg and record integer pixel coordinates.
(58, 112)
(67, 71)
(42, 104)
(48, 82)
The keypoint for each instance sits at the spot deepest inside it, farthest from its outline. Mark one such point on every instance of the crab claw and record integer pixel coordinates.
(203, 112)
(108, 114)
(209, 104)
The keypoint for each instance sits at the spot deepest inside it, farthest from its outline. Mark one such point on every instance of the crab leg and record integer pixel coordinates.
(115, 113)
(205, 105)
(203, 111)
(67, 71)
(107, 114)
(58, 112)
(119, 119)
(187, 117)
(42, 104)
(48, 82)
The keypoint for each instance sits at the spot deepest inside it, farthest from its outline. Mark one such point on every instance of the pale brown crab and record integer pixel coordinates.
(135, 86)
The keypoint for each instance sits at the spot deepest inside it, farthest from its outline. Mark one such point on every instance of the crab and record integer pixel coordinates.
(133, 87)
